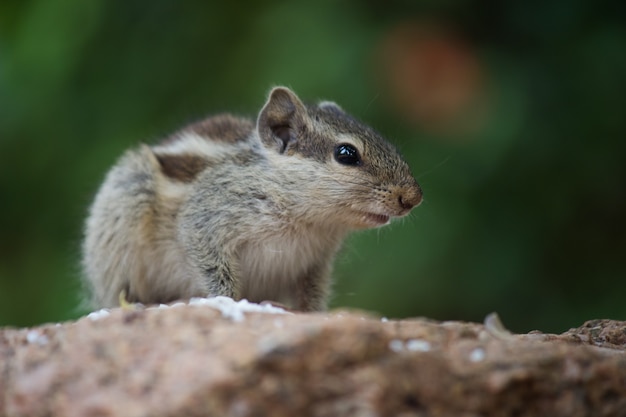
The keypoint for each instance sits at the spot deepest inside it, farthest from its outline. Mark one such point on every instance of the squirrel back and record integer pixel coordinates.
(249, 210)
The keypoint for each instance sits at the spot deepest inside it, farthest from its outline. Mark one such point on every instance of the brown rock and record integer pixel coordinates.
(191, 361)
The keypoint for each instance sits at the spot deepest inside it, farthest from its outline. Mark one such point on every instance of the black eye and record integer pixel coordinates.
(347, 155)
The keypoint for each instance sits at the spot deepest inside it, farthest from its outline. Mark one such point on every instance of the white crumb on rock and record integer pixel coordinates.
(235, 310)
(396, 345)
(418, 345)
(411, 345)
(98, 314)
(178, 304)
(35, 337)
(229, 308)
(477, 355)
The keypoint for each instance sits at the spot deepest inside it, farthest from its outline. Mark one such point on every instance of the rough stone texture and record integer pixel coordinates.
(191, 361)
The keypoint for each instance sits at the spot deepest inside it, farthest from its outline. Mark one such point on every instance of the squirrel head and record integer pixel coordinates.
(358, 177)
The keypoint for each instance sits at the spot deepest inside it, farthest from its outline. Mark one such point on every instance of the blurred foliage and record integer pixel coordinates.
(512, 115)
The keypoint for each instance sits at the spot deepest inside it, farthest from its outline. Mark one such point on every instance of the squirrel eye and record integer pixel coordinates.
(347, 155)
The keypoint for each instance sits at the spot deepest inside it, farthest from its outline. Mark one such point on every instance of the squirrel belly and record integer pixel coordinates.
(249, 210)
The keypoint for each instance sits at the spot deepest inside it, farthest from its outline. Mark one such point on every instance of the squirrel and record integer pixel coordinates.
(230, 207)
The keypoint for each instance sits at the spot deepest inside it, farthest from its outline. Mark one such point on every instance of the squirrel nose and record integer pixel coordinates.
(410, 198)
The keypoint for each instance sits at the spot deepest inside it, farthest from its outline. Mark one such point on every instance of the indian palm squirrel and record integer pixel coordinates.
(227, 206)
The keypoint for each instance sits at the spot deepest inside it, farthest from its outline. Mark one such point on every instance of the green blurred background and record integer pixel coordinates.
(512, 115)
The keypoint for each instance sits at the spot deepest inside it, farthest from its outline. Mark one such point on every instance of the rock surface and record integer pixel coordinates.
(195, 360)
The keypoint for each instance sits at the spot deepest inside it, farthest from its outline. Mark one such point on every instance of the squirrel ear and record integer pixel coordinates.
(330, 105)
(281, 119)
